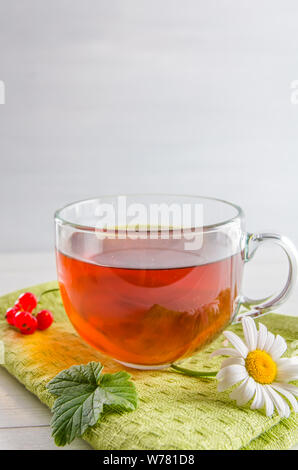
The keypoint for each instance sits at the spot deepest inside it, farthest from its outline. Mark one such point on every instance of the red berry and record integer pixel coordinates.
(10, 315)
(44, 319)
(26, 323)
(27, 302)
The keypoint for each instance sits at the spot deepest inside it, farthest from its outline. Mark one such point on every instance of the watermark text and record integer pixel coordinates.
(294, 94)
(2, 92)
(176, 221)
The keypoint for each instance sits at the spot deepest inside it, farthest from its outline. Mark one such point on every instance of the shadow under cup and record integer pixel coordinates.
(149, 299)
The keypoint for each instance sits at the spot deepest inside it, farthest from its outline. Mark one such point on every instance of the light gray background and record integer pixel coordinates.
(108, 96)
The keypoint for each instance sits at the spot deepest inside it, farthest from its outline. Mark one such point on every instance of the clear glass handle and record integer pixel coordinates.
(262, 306)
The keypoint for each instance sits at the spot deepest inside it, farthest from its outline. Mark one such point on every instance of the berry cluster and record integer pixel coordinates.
(21, 315)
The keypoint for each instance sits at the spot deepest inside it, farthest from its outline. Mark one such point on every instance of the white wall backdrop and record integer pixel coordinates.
(113, 96)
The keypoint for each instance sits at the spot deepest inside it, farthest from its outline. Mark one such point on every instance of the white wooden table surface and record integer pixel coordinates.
(24, 421)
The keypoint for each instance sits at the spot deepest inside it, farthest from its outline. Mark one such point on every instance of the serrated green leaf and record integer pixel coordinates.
(75, 376)
(73, 414)
(118, 390)
(82, 395)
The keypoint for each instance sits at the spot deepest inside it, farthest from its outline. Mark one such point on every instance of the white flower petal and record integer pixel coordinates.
(283, 360)
(231, 361)
(237, 343)
(278, 347)
(281, 405)
(230, 375)
(225, 384)
(287, 370)
(262, 336)
(286, 361)
(258, 401)
(269, 341)
(287, 375)
(269, 407)
(225, 352)
(290, 388)
(238, 393)
(250, 333)
(244, 392)
(288, 395)
(290, 360)
(231, 370)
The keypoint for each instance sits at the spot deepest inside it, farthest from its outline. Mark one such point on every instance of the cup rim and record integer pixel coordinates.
(239, 215)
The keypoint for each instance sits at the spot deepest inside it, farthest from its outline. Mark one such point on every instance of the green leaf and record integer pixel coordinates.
(75, 376)
(83, 392)
(117, 390)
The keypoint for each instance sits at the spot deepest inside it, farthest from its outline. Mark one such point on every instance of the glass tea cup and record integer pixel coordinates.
(151, 279)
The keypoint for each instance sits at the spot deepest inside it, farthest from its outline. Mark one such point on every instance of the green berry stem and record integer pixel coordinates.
(47, 292)
(195, 373)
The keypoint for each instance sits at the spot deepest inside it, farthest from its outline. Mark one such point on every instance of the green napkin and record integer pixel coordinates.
(175, 411)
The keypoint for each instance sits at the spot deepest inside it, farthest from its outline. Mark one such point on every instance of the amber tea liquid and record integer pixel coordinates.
(137, 313)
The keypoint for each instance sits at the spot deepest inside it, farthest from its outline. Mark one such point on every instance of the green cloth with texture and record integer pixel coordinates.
(175, 412)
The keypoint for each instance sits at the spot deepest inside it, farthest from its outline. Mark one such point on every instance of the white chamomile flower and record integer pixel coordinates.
(258, 365)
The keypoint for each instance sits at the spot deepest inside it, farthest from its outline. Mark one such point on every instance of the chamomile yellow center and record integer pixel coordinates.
(260, 366)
